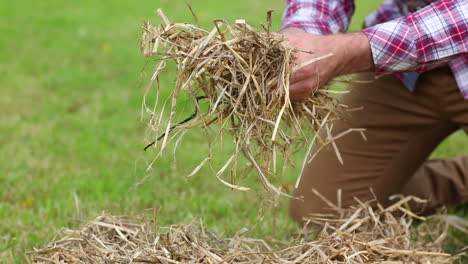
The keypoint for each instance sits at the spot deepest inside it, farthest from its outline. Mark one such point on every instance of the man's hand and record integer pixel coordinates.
(351, 53)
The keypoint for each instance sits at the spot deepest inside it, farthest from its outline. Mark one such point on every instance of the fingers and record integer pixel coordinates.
(303, 74)
(305, 80)
(299, 91)
(303, 83)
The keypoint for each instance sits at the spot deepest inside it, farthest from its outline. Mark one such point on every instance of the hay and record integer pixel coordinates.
(366, 233)
(243, 75)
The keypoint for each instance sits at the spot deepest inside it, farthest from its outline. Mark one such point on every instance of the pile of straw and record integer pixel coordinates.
(366, 233)
(243, 75)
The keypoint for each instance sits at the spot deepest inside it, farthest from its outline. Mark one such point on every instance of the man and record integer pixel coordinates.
(418, 49)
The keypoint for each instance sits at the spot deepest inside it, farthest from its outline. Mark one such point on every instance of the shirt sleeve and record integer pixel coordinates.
(319, 16)
(387, 11)
(421, 40)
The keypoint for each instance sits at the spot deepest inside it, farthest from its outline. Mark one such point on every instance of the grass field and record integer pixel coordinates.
(70, 131)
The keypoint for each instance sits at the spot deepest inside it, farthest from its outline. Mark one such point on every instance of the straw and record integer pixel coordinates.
(366, 233)
(243, 75)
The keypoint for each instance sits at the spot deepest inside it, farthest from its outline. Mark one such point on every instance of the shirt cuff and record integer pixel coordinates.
(393, 46)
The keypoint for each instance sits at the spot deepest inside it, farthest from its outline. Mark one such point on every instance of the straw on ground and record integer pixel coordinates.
(366, 233)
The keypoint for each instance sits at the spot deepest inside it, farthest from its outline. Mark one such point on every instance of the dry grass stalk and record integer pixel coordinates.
(243, 74)
(366, 233)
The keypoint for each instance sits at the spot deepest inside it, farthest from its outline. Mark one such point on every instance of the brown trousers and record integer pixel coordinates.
(402, 129)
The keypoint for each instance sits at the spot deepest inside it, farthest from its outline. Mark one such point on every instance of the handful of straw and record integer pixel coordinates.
(243, 74)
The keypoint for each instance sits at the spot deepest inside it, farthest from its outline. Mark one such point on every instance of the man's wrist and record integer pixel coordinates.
(356, 53)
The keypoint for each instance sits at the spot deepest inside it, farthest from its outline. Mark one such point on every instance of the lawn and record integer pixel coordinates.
(72, 81)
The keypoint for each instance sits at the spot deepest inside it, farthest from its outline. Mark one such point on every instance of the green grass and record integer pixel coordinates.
(70, 128)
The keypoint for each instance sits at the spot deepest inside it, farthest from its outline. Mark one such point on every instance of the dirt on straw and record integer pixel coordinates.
(243, 74)
(366, 233)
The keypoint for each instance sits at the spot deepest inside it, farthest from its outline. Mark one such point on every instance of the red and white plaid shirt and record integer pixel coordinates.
(406, 36)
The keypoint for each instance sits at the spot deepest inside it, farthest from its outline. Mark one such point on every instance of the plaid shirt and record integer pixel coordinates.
(407, 37)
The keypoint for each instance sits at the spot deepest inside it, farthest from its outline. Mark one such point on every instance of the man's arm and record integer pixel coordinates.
(322, 17)
(421, 40)
(303, 23)
(351, 53)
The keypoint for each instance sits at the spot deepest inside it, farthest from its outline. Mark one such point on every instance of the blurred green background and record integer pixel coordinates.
(72, 80)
